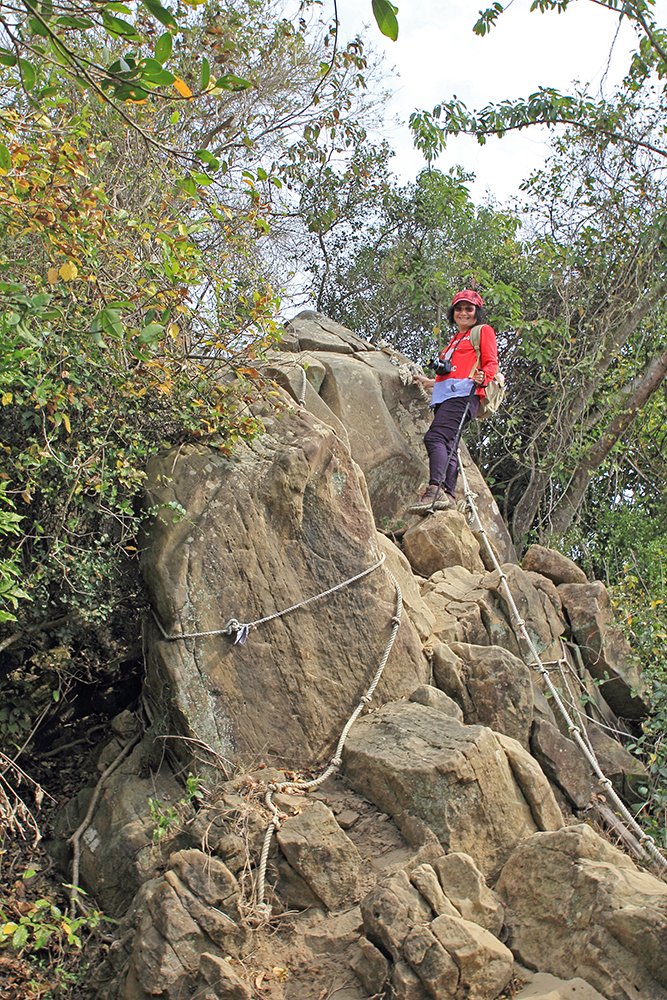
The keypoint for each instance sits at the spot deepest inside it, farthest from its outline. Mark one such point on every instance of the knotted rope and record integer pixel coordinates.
(518, 624)
(241, 630)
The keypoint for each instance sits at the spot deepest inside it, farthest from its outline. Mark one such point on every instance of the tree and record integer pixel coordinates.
(580, 111)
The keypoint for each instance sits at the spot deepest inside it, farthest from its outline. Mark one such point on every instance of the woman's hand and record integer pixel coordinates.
(423, 380)
(479, 378)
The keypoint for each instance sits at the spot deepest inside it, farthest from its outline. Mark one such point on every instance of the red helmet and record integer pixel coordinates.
(469, 295)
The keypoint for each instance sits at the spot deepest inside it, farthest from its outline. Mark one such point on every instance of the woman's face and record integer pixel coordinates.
(464, 315)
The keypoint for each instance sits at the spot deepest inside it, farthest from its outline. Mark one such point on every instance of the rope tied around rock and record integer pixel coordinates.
(631, 824)
(241, 630)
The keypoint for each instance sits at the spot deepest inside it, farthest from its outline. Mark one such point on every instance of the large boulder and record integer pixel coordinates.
(555, 566)
(576, 906)
(283, 521)
(441, 540)
(604, 649)
(408, 758)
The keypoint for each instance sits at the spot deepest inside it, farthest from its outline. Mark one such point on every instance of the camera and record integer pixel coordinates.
(440, 366)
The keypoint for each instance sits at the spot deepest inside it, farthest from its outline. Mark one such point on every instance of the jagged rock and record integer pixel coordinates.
(424, 879)
(543, 986)
(574, 905)
(531, 780)
(498, 689)
(283, 521)
(465, 886)
(433, 697)
(316, 332)
(292, 889)
(555, 566)
(441, 540)
(331, 933)
(563, 762)
(414, 604)
(410, 758)
(453, 596)
(322, 854)
(406, 984)
(218, 980)
(437, 970)
(483, 966)
(624, 770)
(489, 514)
(543, 624)
(370, 966)
(604, 648)
(391, 910)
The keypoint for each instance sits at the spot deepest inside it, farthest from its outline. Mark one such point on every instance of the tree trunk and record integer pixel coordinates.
(643, 388)
(613, 334)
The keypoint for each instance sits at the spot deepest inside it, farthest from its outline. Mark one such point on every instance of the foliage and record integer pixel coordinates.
(39, 932)
(168, 818)
(587, 114)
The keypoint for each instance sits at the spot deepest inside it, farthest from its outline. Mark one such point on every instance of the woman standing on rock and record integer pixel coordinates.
(456, 391)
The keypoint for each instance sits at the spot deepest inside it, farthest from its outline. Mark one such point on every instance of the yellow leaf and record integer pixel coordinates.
(182, 87)
(280, 973)
(68, 271)
(67, 423)
(7, 397)
(52, 275)
(8, 929)
(173, 331)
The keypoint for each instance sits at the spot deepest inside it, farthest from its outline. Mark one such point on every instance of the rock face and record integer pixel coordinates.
(575, 906)
(281, 523)
(381, 879)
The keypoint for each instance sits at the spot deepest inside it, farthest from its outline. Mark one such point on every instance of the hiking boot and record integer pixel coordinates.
(435, 497)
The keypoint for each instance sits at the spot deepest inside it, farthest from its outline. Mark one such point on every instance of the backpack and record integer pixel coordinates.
(495, 390)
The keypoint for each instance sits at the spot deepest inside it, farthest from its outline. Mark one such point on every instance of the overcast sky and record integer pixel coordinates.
(437, 55)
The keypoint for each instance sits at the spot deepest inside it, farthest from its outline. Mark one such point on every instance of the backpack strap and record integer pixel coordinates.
(475, 338)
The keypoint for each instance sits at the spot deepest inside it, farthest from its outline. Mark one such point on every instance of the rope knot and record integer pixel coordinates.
(365, 699)
(605, 781)
(336, 762)
(395, 620)
(241, 630)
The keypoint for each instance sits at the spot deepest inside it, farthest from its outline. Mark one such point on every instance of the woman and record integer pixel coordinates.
(461, 385)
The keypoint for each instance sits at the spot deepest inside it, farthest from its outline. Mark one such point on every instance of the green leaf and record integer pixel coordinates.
(151, 333)
(232, 82)
(65, 21)
(5, 158)
(37, 27)
(7, 58)
(28, 74)
(117, 27)
(205, 74)
(202, 179)
(160, 13)
(385, 15)
(153, 72)
(206, 157)
(119, 8)
(164, 47)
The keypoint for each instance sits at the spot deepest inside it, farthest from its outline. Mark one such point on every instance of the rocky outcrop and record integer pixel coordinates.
(575, 906)
(380, 880)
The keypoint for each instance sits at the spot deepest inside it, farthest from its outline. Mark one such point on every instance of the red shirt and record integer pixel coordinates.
(464, 356)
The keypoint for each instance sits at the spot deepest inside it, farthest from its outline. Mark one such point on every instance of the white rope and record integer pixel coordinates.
(647, 842)
(335, 762)
(242, 629)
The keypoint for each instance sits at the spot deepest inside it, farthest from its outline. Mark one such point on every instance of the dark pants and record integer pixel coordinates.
(439, 439)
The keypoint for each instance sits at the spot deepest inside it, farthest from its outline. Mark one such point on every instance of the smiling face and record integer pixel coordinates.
(464, 315)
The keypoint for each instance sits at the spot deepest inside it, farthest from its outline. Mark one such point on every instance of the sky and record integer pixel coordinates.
(437, 56)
